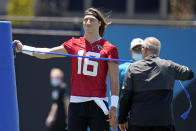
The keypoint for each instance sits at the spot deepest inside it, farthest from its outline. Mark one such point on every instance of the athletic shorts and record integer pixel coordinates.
(87, 114)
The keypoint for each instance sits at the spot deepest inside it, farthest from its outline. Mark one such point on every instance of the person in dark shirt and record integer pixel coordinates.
(57, 118)
(147, 91)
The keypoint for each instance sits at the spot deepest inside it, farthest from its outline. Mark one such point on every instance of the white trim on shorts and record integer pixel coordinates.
(98, 101)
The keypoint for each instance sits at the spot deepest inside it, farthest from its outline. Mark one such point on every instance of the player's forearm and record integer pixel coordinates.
(114, 83)
(33, 51)
(41, 53)
(114, 88)
(46, 55)
(114, 79)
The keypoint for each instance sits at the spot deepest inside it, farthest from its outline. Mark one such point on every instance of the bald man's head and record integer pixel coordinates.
(153, 45)
(152, 40)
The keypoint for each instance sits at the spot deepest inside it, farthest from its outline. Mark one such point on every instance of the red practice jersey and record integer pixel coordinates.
(89, 75)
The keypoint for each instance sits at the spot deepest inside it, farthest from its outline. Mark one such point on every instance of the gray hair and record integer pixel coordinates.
(155, 50)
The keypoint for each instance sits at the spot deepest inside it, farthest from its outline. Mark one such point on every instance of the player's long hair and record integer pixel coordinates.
(101, 18)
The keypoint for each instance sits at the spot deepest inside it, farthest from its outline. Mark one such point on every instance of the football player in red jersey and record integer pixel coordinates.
(88, 101)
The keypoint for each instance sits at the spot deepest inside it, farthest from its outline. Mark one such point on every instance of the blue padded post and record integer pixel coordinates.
(8, 97)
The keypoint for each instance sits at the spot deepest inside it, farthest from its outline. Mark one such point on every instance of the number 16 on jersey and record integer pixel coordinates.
(87, 62)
